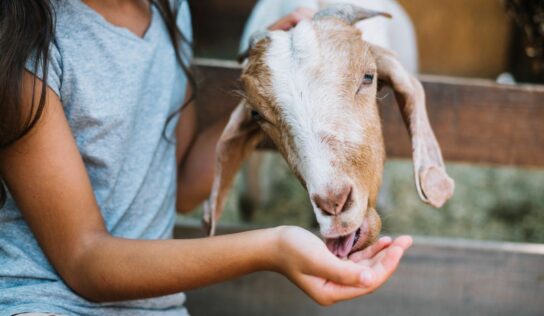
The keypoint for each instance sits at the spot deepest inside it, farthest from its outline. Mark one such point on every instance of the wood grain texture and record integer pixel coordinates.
(476, 121)
(436, 277)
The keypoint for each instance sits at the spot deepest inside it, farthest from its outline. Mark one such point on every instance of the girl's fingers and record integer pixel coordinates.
(293, 19)
(326, 292)
(404, 242)
(358, 274)
(371, 251)
(387, 262)
(344, 272)
(328, 279)
(382, 271)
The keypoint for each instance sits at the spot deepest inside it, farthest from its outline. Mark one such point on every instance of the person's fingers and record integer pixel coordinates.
(384, 263)
(371, 254)
(284, 24)
(382, 271)
(372, 250)
(337, 293)
(404, 242)
(343, 272)
(312, 286)
(357, 273)
(331, 286)
(389, 263)
(292, 19)
(327, 292)
(296, 17)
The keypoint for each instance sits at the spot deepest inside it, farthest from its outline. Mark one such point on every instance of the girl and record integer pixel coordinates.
(89, 98)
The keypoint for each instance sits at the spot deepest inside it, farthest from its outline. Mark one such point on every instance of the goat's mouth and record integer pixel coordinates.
(345, 245)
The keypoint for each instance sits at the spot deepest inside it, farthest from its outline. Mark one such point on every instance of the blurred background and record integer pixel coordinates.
(490, 39)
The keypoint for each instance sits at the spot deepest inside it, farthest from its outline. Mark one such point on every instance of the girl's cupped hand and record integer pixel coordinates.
(305, 260)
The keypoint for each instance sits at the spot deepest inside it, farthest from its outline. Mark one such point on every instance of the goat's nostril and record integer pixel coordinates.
(348, 201)
(334, 202)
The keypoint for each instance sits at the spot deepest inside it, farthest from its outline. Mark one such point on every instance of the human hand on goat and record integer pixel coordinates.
(292, 19)
(306, 261)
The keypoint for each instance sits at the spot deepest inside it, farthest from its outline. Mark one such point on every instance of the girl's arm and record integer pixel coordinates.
(47, 178)
(196, 158)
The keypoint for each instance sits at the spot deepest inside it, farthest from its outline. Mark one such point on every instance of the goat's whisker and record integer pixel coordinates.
(381, 98)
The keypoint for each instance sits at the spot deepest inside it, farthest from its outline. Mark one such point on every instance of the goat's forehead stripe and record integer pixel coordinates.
(289, 56)
(297, 45)
(306, 84)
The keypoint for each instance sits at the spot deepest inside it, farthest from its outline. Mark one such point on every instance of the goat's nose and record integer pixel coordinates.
(334, 202)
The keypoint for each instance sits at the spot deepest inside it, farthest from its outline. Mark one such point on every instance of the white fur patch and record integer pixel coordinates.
(312, 108)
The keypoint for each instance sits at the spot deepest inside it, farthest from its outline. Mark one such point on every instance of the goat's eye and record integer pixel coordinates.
(256, 116)
(368, 79)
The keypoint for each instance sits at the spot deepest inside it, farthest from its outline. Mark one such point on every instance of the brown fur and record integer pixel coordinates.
(364, 163)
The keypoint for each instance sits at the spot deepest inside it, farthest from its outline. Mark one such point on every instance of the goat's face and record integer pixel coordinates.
(313, 92)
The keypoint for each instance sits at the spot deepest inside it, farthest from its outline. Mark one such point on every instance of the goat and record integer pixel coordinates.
(397, 35)
(311, 91)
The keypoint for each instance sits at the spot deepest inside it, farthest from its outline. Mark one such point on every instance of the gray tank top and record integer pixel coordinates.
(118, 91)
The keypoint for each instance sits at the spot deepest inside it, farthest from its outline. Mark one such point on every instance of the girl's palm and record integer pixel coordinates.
(328, 279)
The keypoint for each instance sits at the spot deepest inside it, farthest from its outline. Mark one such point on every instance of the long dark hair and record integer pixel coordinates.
(27, 28)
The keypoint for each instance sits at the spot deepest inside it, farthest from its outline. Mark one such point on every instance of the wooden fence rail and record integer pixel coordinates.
(475, 121)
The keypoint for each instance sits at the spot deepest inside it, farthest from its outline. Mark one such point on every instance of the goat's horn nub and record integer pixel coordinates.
(349, 13)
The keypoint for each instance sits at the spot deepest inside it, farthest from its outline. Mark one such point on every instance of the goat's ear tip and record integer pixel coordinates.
(437, 187)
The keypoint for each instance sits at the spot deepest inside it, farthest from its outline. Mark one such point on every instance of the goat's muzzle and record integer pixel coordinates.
(359, 239)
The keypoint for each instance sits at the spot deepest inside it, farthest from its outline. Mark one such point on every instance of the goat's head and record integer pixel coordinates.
(312, 92)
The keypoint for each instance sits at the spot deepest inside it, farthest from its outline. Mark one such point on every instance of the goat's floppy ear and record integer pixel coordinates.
(351, 14)
(238, 140)
(433, 184)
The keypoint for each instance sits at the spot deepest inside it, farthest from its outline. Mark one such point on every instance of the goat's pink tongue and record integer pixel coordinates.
(341, 246)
